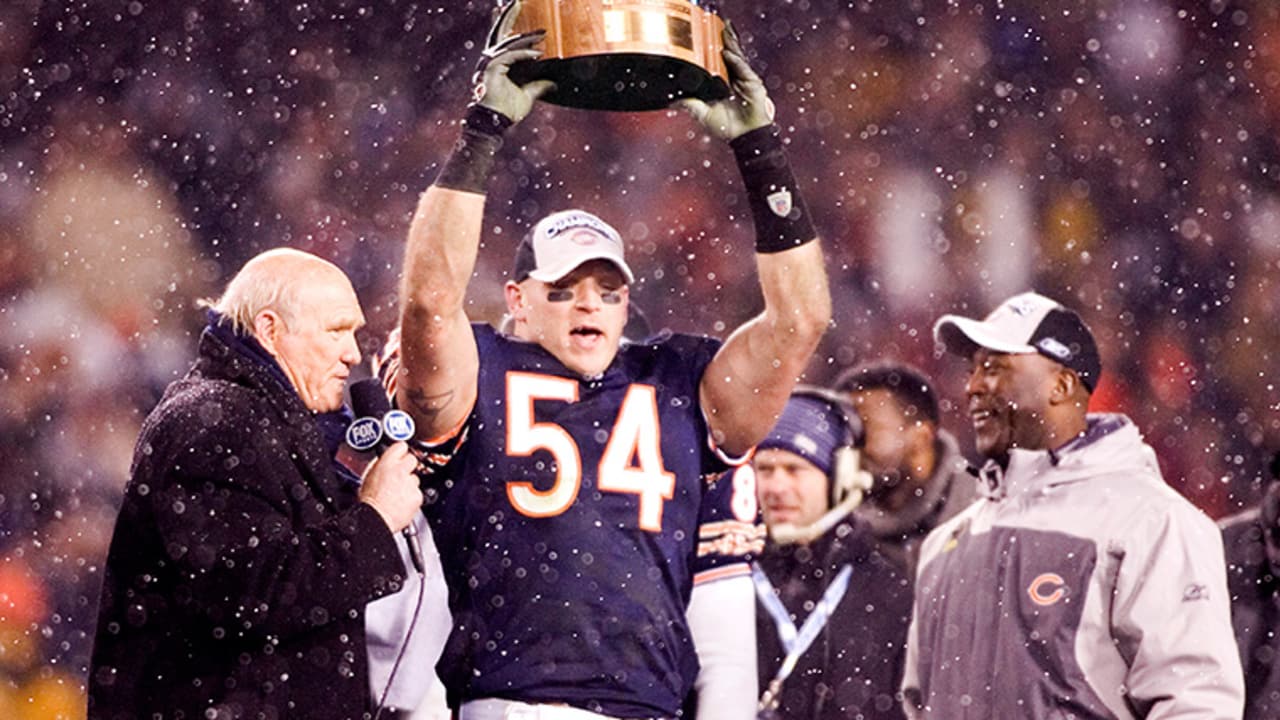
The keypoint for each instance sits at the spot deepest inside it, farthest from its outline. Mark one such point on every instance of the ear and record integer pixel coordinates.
(268, 326)
(1066, 385)
(516, 305)
(922, 432)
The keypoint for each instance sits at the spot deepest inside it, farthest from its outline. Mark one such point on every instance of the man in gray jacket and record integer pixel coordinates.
(1080, 586)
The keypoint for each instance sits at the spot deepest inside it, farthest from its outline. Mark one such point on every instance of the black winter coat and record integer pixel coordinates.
(240, 566)
(854, 668)
(1255, 612)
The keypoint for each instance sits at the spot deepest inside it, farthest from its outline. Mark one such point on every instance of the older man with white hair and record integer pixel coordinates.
(241, 563)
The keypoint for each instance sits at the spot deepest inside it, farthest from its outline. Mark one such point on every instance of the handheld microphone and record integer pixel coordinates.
(376, 426)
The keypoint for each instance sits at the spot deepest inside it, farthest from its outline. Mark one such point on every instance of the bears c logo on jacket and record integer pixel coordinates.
(1047, 589)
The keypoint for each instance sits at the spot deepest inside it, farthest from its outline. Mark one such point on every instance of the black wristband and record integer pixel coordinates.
(781, 218)
(469, 166)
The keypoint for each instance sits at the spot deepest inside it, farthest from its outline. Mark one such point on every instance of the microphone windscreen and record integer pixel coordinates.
(368, 399)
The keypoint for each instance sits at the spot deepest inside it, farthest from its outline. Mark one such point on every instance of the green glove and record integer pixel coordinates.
(748, 108)
(493, 89)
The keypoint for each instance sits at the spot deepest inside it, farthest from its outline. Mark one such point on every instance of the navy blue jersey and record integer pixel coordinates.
(731, 531)
(567, 512)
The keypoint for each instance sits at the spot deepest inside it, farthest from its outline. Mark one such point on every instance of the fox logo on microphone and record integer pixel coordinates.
(397, 425)
(363, 434)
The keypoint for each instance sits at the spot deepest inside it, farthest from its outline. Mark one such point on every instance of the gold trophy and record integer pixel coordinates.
(625, 54)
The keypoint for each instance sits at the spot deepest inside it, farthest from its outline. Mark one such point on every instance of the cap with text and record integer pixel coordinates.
(563, 241)
(1023, 324)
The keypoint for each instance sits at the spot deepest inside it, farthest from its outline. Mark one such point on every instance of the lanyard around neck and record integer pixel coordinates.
(796, 642)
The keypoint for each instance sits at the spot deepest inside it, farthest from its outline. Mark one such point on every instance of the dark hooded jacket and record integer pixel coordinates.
(853, 668)
(1255, 610)
(241, 563)
(951, 488)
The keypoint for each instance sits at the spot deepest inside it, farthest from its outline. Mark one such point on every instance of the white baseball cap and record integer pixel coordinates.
(562, 241)
(1026, 323)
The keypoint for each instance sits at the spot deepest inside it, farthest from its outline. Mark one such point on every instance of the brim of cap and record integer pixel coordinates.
(962, 336)
(553, 274)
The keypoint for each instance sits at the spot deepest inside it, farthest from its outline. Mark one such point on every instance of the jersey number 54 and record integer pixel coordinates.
(631, 463)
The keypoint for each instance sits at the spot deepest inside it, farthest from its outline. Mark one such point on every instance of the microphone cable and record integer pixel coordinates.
(413, 623)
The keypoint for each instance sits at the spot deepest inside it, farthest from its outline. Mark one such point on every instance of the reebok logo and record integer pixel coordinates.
(1054, 348)
(1195, 591)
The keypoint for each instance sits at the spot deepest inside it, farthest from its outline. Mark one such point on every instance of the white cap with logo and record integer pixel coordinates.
(563, 241)
(1026, 323)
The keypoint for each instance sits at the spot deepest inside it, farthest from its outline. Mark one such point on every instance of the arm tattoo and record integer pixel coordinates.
(430, 406)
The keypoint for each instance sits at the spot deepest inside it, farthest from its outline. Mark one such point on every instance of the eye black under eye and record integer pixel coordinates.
(559, 295)
(611, 297)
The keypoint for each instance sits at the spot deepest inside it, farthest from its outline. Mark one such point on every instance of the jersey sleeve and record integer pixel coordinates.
(730, 531)
(696, 352)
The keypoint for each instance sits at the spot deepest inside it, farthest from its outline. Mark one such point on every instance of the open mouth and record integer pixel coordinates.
(586, 333)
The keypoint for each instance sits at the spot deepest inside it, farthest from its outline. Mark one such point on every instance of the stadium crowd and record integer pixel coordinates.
(1120, 155)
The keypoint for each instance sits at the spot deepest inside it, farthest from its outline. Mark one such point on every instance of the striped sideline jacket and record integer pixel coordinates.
(1081, 586)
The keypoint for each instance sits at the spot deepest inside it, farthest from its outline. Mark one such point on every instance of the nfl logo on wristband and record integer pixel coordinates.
(780, 202)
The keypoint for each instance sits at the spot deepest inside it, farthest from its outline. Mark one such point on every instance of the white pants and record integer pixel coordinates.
(495, 709)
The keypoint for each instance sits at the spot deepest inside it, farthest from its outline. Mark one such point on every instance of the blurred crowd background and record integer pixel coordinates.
(1119, 155)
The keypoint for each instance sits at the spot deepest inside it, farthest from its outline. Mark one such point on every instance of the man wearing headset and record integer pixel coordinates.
(832, 613)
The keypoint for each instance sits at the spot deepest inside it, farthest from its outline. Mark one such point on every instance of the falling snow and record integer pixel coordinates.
(1121, 155)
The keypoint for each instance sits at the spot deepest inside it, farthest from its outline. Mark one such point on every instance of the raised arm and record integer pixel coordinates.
(748, 382)
(437, 383)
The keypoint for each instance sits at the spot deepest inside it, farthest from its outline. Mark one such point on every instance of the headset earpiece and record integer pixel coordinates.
(848, 477)
(844, 469)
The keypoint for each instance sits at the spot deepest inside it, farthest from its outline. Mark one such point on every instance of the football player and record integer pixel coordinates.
(570, 488)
